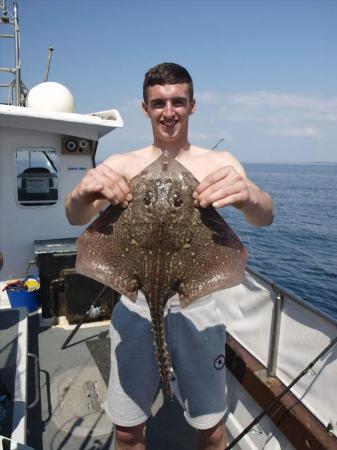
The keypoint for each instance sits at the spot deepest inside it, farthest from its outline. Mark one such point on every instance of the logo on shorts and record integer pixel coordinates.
(219, 362)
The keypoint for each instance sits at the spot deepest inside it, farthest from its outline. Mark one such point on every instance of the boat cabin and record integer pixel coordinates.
(43, 155)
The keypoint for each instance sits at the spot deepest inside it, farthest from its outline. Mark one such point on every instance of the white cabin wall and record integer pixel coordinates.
(21, 225)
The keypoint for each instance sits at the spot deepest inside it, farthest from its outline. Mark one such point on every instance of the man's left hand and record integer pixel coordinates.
(226, 186)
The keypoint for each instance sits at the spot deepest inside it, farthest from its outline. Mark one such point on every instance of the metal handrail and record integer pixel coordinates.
(16, 71)
(275, 333)
(280, 295)
(286, 293)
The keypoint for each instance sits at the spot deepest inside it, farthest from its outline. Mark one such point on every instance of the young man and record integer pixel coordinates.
(168, 103)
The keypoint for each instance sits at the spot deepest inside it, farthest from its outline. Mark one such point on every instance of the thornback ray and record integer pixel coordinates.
(161, 244)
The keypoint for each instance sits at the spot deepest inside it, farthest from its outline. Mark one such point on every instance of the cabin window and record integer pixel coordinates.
(37, 176)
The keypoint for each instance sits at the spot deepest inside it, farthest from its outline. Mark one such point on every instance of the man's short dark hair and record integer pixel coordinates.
(167, 73)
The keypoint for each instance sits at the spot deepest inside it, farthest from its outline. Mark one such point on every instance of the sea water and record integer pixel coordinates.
(299, 250)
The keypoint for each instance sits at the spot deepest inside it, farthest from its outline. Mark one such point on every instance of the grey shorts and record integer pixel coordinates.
(195, 337)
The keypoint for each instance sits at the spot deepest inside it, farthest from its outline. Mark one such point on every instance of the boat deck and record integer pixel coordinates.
(72, 381)
(70, 414)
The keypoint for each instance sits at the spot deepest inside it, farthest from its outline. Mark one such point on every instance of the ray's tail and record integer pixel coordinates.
(161, 352)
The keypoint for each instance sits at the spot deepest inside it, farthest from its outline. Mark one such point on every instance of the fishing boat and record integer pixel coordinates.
(280, 364)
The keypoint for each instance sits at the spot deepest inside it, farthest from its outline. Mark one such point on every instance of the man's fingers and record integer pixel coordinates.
(206, 200)
(95, 187)
(215, 192)
(106, 183)
(213, 178)
(219, 195)
(230, 200)
(115, 179)
(114, 194)
(86, 190)
(222, 187)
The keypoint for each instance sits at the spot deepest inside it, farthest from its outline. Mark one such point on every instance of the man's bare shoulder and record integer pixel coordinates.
(203, 161)
(216, 155)
(226, 157)
(130, 163)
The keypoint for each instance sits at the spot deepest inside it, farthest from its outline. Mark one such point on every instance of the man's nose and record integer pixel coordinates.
(169, 110)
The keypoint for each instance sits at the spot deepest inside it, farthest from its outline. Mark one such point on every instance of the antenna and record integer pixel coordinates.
(219, 142)
(50, 51)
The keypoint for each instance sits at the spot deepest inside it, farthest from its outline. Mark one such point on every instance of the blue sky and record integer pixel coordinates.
(265, 72)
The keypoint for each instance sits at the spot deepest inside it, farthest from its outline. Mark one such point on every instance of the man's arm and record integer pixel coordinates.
(229, 185)
(98, 187)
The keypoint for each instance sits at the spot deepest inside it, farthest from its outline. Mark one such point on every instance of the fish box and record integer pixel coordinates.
(64, 292)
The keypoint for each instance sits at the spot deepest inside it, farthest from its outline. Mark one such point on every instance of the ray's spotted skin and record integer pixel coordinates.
(162, 245)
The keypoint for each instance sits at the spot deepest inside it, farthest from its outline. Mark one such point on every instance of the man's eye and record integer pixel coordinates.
(178, 103)
(157, 105)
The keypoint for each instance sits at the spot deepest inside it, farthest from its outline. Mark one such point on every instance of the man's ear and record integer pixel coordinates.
(193, 106)
(144, 108)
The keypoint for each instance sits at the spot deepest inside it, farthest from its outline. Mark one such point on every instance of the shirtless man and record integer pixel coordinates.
(168, 103)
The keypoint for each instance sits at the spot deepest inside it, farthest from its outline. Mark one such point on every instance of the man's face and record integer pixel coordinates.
(169, 107)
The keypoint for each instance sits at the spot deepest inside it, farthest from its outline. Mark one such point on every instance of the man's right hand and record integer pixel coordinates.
(100, 183)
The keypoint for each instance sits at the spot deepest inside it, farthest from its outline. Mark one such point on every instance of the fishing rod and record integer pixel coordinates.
(219, 142)
(93, 311)
(278, 398)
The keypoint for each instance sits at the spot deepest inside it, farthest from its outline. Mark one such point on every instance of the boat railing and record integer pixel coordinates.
(279, 295)
(285, 333)
(16, 89)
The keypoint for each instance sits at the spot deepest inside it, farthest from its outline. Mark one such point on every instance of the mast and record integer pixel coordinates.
(17, 56)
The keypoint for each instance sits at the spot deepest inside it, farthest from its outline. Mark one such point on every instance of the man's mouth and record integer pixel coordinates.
(169, 124)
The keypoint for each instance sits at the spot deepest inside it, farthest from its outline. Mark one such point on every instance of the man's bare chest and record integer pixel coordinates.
(200, 167)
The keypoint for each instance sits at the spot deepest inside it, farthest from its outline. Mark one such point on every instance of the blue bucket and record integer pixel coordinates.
(19, 298)
(30, 300)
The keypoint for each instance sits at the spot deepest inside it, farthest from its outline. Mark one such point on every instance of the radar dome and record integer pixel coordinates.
(51, 96)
